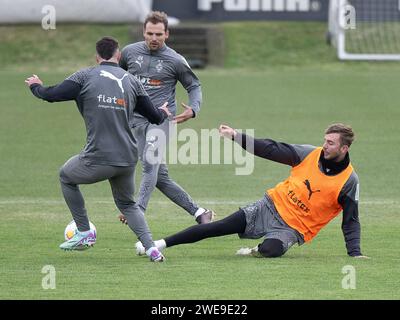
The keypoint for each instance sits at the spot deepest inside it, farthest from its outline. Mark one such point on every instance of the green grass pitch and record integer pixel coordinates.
(293, 104)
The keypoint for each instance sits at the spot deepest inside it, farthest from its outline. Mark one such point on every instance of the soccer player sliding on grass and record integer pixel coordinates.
(322, 183)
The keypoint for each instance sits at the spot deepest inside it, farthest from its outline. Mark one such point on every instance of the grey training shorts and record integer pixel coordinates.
(263, 220)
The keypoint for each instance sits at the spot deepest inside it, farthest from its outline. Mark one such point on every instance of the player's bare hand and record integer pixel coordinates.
(185, 115)
(227, 132)
(32, 80)
(243, 252)
(249, 252)
(122, 218)
(165, 109)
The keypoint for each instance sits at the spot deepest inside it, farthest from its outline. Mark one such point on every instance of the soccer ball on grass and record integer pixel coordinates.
(71, 229)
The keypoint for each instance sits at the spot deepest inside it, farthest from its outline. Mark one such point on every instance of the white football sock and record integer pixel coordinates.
(199, 212)
(160, 244)
(149, 251)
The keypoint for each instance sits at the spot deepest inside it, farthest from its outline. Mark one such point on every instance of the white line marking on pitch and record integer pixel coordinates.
(201, 201)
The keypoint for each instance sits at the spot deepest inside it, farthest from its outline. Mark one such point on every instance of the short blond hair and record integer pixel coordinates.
(346, 133)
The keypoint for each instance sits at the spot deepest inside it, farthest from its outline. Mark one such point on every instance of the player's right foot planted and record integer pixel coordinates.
(155, 255)
(206, 217)
(80, 241)
(141, 251)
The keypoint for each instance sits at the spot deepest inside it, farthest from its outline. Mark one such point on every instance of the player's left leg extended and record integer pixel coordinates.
(232, 224)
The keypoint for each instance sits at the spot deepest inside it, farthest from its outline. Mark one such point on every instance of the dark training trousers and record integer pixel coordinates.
(235, 223)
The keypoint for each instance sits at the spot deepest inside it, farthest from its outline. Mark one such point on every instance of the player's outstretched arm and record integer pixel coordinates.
(65, 91)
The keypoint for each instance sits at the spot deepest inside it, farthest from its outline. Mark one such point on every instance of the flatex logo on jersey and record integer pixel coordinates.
(294, 198)
(262, 5)
(111, 103)
(149, 83)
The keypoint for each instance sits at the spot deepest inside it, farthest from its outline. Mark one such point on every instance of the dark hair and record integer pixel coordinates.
(157, 17)
(106, 47)
(346, 133)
